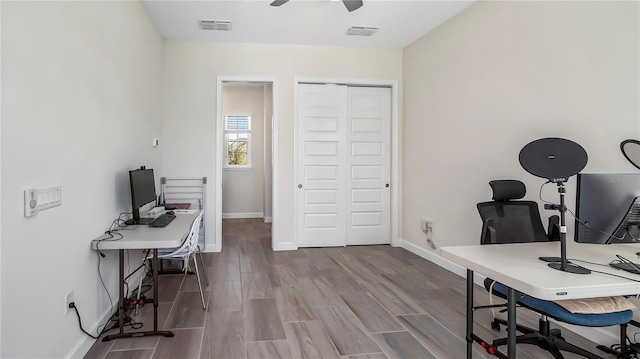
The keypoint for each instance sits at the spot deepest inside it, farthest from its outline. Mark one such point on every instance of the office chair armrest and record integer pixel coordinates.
(553, 231)
(488, 232)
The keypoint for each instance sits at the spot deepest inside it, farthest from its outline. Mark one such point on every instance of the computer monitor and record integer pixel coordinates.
(143, 190)
(608, 208)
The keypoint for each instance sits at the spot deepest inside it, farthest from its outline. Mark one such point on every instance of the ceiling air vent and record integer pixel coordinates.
(220, 25)
(362, 30)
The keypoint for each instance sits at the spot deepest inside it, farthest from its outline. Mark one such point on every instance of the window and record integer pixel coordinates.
(237, 134)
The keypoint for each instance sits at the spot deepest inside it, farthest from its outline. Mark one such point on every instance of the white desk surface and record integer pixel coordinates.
(517, 266)
(145, 237)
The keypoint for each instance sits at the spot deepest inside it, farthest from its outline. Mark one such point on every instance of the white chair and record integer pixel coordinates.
(186, 252)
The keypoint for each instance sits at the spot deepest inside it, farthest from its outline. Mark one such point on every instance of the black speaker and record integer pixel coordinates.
(555, 159)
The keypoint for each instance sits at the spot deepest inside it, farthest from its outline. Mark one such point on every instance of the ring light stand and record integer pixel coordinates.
(556, 159)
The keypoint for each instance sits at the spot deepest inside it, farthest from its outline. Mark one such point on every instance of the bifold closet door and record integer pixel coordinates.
(321, 149)
(343, 165)
(368, 166)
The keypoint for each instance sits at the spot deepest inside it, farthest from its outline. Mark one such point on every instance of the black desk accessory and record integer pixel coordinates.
(556, 159)
(631, 151)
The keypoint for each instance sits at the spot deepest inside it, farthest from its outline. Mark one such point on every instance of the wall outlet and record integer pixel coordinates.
(426, 224)
(68, 300)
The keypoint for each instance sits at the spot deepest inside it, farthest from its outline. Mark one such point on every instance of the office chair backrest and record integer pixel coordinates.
(507, 220)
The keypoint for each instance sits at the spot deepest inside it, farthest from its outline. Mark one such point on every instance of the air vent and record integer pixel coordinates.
(220, 25)
(362, 30)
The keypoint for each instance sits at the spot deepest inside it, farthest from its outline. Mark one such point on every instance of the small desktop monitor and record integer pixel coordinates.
(608, 208)
(143, 190)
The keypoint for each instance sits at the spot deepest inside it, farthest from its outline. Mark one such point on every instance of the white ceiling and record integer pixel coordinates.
(302, 22)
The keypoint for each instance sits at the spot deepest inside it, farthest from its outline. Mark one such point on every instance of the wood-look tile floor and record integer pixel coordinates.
(354, 302)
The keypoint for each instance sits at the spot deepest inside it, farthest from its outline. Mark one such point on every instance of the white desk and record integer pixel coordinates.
(144, 237)
(517, 266)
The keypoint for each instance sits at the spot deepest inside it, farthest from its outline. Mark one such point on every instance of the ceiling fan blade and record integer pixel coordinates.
(278, 2)
(352, 4)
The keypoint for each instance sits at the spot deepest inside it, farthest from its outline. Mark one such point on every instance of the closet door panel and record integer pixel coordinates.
(368, 166)
(321, 151)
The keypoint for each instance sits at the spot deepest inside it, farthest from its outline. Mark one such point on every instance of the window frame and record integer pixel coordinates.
(227, 165)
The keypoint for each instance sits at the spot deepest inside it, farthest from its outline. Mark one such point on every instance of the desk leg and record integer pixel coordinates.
(511, 323)
(121, 308)
(155, 289)
(469, 313)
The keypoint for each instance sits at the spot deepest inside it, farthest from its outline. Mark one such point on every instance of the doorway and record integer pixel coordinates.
(245, 168)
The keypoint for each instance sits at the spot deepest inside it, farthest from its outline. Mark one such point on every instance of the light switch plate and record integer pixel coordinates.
(30, 202)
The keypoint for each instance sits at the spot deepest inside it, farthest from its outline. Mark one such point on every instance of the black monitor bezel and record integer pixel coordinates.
(134, 186)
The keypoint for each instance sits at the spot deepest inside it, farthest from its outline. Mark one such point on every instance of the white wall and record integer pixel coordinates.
(81, 88)
(499, 75)
(243, 189)
(191, 70)
(268, 149)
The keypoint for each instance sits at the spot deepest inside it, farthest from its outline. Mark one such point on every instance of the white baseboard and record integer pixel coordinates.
(603, 335)
(437, 259)
(83, 346)
(209, 248)
(288, 246)
(268, 219)
(243, 215)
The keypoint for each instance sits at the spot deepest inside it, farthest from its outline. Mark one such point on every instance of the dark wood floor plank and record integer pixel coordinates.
(336, 279)
(225, 269)
(187, 311)
(269, 349)
(347, 333)
(130, 354)
(316, 296)
(223, 336)
(366, 356)
(402, 345)
(262, 321)
(393, 298)
(440, 341)
(185, 345)
(226, 296)
(135, 343)
(168, 287)
(292, 304)
(256, 286)
(310, 340)
(99, 350)
(413, 282)
(374, 317)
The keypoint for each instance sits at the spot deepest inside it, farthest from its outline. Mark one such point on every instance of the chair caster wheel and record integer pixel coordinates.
(495, 325)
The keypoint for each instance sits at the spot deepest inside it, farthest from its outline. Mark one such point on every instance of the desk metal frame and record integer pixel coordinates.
(144, 237)
(517, 266)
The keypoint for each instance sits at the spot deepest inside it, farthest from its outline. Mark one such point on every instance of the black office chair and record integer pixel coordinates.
(506, 219)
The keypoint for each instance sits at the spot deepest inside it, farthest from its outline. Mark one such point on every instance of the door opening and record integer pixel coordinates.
(245, 159)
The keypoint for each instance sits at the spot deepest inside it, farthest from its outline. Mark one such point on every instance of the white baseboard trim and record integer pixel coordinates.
(83, 346)
(243, 215)
(603, 335)
(209, 248)
(268, 219)
(288, 246)
(437, 259)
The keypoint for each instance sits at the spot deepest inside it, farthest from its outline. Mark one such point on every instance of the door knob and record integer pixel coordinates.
(387, 185)
(299, 186)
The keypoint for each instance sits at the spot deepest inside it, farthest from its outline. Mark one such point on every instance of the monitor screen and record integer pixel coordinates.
(143, 189)
(608, 208)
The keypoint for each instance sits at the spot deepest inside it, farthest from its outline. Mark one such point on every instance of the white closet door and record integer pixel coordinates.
(321, 151)
(369, 166)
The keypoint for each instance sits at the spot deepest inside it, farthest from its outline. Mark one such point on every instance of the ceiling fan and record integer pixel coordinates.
(351, 5)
